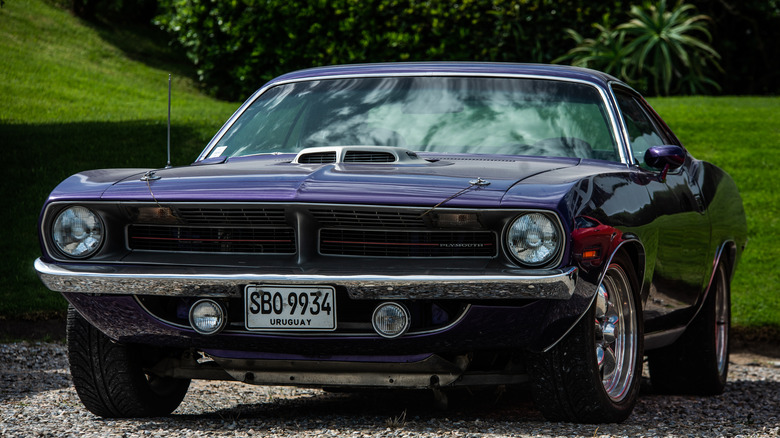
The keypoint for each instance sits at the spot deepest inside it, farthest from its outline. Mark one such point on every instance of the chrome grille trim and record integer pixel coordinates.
(368, 218)
(407, 244)
(231, 216)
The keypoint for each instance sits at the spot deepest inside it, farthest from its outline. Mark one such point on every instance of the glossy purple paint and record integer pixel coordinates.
(268, 178)
(661, 156)
(123, 319)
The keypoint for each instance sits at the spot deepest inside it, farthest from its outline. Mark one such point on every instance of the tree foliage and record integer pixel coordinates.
(236, 45)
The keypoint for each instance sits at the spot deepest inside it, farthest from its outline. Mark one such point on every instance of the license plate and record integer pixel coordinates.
(290, 308)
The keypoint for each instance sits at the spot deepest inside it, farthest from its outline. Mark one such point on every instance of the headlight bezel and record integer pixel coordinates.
(98, 223)
(555, 255)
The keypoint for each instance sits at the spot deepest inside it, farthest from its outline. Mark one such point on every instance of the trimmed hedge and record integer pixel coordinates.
(237, 45)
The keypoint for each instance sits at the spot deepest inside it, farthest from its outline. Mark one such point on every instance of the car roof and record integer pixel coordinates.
(458, 68)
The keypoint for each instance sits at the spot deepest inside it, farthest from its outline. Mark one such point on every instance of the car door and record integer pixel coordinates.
(681, 223)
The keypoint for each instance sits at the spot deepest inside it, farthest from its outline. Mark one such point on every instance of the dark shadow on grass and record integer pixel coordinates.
(37, 157)
(144, 43)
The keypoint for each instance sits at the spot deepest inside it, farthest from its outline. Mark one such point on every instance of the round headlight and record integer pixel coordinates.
(391, 320)
(533, 239)
(77, 232)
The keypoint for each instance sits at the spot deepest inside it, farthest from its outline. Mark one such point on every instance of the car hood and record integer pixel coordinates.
(270, 178)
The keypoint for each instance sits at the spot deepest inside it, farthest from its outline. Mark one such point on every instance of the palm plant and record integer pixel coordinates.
(661, 45)
(665, 43)
(607, 52)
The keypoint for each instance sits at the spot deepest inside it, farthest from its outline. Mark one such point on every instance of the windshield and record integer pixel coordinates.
(427, 114)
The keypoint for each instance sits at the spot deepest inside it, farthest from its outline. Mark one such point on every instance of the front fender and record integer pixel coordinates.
(564, 315)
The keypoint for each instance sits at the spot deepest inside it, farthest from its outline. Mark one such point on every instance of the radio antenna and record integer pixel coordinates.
(169, 122)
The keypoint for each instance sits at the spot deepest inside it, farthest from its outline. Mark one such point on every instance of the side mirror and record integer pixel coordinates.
(658, 157)
(665, 158)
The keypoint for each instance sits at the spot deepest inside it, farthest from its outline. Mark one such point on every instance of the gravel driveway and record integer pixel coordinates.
(37, 399)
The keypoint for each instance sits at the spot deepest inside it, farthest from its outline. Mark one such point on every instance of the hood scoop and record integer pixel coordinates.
(356, 154)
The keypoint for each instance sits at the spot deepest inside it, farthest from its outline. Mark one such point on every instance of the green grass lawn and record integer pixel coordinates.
(742, 136)
(75, 96)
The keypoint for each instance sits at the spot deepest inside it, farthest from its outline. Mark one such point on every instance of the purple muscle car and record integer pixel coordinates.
(422, 225)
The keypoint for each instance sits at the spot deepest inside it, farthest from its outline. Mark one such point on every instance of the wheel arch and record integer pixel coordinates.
(634, 250)
(726, 254)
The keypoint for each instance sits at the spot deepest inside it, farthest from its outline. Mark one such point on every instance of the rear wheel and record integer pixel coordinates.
(110, 379)
(698, 362)
(593, 374)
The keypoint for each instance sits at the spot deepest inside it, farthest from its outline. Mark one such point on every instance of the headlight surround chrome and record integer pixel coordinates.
(534, 239)
(77, 232)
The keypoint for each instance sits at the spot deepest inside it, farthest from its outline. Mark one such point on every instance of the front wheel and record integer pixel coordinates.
(593, 374)
(110, 379)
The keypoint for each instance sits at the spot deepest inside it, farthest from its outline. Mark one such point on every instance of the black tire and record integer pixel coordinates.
(569, 383)
(109, 377)
(698, 362)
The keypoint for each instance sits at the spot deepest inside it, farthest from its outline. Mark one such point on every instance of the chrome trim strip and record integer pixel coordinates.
(169, 281)
(626, 150)
(605, 96)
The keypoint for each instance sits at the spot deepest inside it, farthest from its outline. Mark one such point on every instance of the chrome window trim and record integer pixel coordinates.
(625, 139)
(605, 97)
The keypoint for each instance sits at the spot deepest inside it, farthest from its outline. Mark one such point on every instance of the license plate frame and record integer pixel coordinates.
(272, 308)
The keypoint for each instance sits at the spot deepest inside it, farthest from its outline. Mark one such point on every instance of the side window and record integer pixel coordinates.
(642, 132)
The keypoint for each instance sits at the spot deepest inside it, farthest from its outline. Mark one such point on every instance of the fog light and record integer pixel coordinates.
(207, 317)
(391, 320)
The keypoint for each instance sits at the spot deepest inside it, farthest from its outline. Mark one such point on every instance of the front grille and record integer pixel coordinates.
(318, 158)
(327, 230)
(232, 216)
(212, 239)
(376, 243)
(368, 219)
(368, 157)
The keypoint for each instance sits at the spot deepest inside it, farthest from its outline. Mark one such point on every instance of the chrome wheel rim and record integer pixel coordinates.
(721, 322)
(615, 333)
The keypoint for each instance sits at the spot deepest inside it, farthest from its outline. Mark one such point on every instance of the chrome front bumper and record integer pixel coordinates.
(189, 281)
